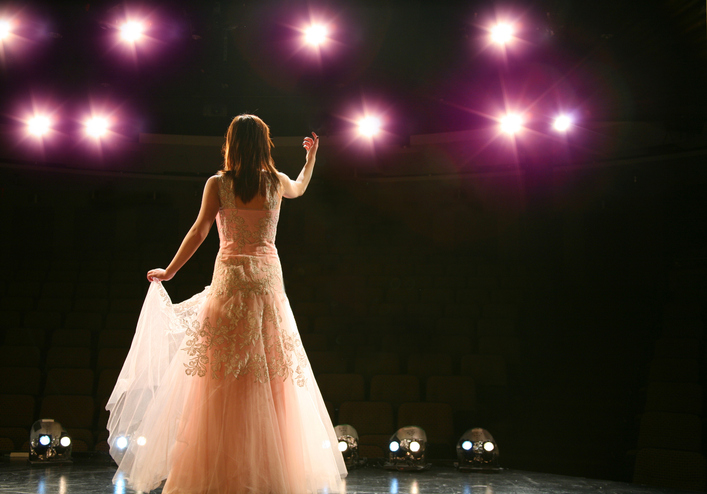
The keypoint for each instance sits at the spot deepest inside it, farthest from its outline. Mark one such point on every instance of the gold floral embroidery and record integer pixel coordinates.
(247, 337)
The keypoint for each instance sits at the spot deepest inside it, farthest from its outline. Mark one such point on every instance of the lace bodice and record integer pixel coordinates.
(246, 231)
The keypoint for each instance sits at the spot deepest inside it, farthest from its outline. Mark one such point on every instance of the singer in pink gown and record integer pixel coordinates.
(216, 394)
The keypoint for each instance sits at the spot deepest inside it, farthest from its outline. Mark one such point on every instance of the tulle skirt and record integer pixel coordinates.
(216, 396)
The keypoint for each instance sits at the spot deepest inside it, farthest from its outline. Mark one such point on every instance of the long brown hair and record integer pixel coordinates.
(247, 158)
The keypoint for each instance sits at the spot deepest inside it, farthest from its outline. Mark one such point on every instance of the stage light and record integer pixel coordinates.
(96, 127)
(39, 125)
(348, 444)
(141, 441)
(369, 126)
(407, 450)
(5, 29)
(477, 450)
(49, 442)
(511, 123)
(501, 33)
(562, 123)
(131, 31)
(121, 442)
(316, 34)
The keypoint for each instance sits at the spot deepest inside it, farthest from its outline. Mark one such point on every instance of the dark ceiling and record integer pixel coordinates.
(426, 64)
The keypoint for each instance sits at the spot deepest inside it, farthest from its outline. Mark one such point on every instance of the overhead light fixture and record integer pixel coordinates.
(348, 445)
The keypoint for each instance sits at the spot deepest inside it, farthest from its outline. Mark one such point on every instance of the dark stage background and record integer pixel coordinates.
(550, 290)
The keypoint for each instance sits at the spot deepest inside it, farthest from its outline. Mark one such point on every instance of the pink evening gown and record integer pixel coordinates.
(216, 394)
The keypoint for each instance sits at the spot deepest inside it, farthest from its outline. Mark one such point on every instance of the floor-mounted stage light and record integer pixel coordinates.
(406, 449)
(49, 442)
(477, 450)
(348, 445)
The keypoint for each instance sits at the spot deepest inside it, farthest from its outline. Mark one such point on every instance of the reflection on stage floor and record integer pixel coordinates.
(94, 475)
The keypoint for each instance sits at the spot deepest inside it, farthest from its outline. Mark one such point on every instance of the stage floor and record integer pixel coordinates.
(93, 476)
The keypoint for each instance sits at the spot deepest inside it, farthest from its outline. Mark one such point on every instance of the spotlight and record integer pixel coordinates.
(511, 123)
(369, 126)
(131, 31)
(407, 450)
(97, 127)
(562, 123)
(477, 450)
(501, 33)
(316, 34)
(48, 441)
(5, 29)
(348, 445)
(38, 125)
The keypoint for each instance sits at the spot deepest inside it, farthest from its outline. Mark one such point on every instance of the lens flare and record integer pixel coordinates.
(131, 31)
(501, 33)
(141, 441)
(369, 126)
(97, 127)
(39, 125)
(5, 29)
(562, 123)
(316, 34)
(121, 442)
(511, 123)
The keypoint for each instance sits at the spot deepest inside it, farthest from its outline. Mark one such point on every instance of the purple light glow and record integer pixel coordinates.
(97, 127)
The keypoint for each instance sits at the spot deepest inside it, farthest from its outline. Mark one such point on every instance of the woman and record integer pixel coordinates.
(216, 394)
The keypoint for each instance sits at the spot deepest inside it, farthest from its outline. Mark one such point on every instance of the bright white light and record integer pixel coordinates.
(501, 33)
(369, 126)
(394, 446)
(65, 441)
(131, 31)
(121, 442)
(141, 441)
(414, 446)
(97, 127)
(316, 34)
(562, 123)
(511, 123)
(326, 444)
(5, 29)
(44, 440)
(466, 445)
(488, 446)
(343, 446)
(38, 126)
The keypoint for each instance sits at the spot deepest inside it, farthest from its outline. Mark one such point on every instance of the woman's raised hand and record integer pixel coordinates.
(311, 144)
(158, 275)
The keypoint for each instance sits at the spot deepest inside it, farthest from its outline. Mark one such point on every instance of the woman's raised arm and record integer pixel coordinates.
(295, 188)
(196, 235)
